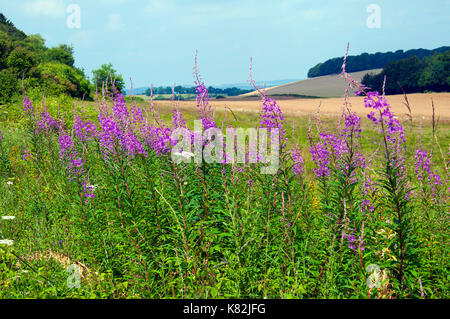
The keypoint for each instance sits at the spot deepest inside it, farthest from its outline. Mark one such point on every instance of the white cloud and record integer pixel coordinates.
(159, 6)
(312, 14)
(83, 39)
(114, 1)
(114, 22)
(50, 8)
(205, 12)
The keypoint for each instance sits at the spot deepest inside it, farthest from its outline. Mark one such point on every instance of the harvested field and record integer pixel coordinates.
(420, 105)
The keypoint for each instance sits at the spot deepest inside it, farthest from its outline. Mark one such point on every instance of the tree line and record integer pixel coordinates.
(366, 61)
(413, 74)
(233, 91)
(26, 57)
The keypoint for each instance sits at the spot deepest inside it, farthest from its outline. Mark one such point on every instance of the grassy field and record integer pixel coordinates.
(113, 204)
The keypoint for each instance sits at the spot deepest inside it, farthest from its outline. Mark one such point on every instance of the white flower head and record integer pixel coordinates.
(92, 187)
(7, 242)
(8, 217)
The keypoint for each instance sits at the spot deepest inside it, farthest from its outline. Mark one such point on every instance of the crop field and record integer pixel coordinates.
(419, 103)
(93, 197)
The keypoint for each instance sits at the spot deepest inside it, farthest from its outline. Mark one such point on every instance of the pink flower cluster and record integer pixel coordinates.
(424, 171)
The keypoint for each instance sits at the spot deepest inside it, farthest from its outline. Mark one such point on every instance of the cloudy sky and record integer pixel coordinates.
(154, 41)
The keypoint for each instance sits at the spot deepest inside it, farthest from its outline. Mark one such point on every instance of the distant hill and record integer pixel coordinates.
(322, 86)
(366, 61)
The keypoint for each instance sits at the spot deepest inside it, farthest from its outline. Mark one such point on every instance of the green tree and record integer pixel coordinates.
(105, 74)
(436, 76)
(413, 75)
(21, 60)
(366, 61)
(8, 27)
(52, 69)
(9, 85)
(60, 54)
(35, 43)
(5, 47)
(60, 78)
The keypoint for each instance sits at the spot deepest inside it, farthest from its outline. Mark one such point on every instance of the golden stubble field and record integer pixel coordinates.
(420, 105)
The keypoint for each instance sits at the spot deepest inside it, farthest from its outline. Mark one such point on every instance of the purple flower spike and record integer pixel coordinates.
(271, 115)
(74, 164)
(157, 138)
(425, 172)
(47, 123)
(120, 109)
(203, 105)
(177, 119)
(299, 161)
(27, 106)
(84, 130)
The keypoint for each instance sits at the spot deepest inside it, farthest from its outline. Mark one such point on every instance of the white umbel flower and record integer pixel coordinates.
(7, 242)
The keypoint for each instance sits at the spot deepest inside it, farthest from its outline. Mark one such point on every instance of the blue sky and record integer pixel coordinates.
(154, 41)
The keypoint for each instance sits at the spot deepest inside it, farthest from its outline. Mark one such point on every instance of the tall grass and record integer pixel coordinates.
(357, 208)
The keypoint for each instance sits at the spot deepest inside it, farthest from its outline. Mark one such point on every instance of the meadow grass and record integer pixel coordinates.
(154, 229)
